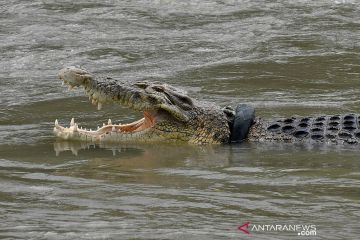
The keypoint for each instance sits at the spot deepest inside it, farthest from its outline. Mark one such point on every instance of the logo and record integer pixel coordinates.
(299, 229)
(244, 228)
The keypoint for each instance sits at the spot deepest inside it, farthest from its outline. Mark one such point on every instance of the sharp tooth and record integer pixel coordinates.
(104, 124)
(99, 106)
(56, 123)
(113, 129)
(93, 102)
(72, 122)
(109, 122)
(98, 127)
(75, 127)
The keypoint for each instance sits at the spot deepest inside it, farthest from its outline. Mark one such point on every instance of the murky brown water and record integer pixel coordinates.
(284, 58)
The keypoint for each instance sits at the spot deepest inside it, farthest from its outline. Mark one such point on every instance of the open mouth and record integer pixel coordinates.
(158, 103)
(108, 131)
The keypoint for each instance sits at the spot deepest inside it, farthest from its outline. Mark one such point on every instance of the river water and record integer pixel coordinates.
(282, 57)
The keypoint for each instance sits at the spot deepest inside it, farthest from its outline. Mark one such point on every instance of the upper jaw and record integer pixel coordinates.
(147, 97)
(140, 96)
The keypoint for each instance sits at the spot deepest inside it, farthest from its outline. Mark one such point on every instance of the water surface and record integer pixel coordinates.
(283, 58)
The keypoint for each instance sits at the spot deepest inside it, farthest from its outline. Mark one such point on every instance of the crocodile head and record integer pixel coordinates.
(169, 114)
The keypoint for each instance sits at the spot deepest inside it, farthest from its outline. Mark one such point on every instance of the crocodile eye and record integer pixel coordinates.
(185, 99)
(158, 88)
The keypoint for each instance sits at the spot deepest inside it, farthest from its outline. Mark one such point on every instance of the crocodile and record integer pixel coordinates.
(170, 115)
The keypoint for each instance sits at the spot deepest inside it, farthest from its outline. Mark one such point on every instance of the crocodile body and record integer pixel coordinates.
(337, 129)
(171, 115)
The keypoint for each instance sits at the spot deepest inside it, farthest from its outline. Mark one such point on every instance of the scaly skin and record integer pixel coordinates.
(170, 115)
(334, 129)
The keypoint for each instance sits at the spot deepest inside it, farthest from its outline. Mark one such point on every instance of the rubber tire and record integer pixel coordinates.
(244, 118)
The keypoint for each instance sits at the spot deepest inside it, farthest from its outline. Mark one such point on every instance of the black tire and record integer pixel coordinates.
(244, 118)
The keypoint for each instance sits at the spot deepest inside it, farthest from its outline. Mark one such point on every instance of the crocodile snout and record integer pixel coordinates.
(74, 76)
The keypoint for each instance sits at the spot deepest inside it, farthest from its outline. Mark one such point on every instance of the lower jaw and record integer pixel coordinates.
(136, 131)
(94, 137)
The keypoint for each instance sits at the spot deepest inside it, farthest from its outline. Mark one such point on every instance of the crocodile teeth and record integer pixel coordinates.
(75, 127)
(93, 101)
(99, 106)
(56, 123)
(72, 122)
(104, 124)
(109, 122)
